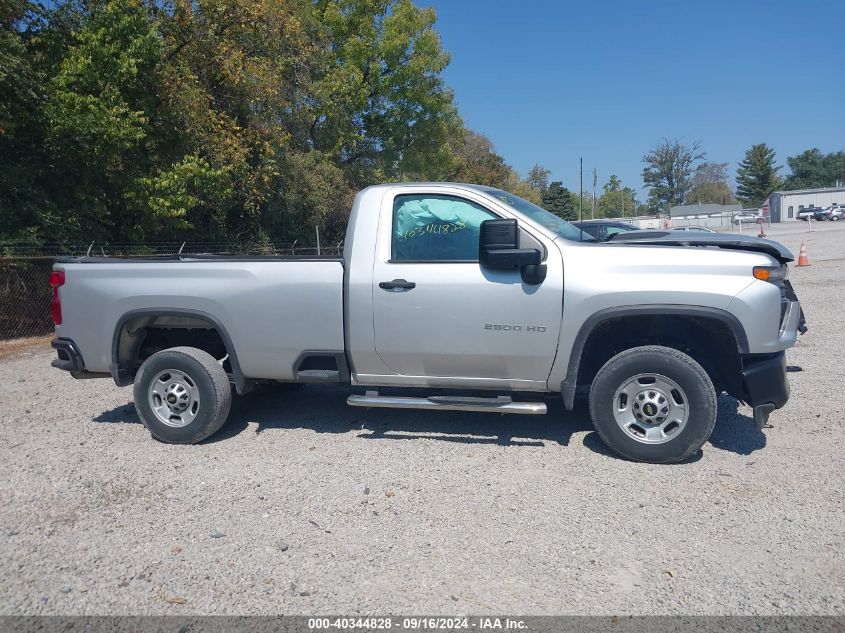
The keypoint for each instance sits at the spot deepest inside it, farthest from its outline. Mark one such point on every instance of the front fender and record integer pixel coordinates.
(569, 380)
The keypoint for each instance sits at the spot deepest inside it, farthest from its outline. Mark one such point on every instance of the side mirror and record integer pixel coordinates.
(498, 249)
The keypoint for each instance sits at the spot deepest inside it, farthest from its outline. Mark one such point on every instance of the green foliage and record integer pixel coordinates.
(21, 204)
(166, 198)
(811, 170)
(668, 172)
(222, 121)
(756, 176)
(475, 160)
(17, 83)
(710, 185)
(616, 201)
(559, 200)
(538, 178)
(612, 185)
(380, 108)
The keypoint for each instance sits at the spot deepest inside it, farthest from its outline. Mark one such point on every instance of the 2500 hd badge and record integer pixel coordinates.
(504, 327)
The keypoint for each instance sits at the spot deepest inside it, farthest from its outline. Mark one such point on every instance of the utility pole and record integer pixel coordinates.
(581, 189)
(593, 208)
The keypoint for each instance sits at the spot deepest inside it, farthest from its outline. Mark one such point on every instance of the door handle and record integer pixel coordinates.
(397, 285)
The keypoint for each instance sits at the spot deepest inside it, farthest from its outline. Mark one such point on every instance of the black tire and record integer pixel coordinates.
(678, 367)
(212, 385)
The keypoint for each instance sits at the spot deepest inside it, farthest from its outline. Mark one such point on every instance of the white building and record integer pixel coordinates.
(690, 211)
(785, 205)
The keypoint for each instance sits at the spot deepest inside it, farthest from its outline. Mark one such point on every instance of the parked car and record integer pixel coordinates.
(702, 229)
(820, 215)
(745, 217)
(447, 287)
(808, 212)
(603, 230)
(836, 213)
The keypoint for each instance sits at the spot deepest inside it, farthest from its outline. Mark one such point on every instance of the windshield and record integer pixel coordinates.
(557, 225)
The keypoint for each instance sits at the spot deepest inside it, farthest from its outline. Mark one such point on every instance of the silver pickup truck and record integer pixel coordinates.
(455, 289)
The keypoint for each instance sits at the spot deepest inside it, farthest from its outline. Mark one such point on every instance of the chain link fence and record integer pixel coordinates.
(25, 293)
(25, 297)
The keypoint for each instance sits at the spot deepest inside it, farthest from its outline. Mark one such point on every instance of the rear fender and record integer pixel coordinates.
(122, 338)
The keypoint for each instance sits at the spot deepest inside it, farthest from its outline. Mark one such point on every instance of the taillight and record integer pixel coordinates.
(57, 279)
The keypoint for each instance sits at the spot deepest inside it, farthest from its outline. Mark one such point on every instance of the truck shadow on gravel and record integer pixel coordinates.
(324, 410)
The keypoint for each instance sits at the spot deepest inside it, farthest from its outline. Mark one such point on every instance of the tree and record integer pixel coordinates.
(756, 176)
(615, 200)
(538, 178)
(710, 185)
(811, 169)
(559, 200)
(379, 106)
(475, 160)
(613, 184)
(21, 202)
(218, 120)
(668, 172)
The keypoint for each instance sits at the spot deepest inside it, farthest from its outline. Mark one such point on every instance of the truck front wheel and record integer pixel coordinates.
(653, 404)
(182, 395)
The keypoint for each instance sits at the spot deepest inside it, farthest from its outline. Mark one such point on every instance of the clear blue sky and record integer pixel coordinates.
(550, 81)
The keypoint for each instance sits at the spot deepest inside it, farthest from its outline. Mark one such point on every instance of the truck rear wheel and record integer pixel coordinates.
(653, 404)
(182, 395)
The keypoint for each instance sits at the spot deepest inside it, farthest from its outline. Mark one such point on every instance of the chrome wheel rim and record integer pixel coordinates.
(174, 398)
(651, 408)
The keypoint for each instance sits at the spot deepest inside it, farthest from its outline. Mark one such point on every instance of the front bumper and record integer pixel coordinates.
(765, 385)
(764, 380)
(791, 313)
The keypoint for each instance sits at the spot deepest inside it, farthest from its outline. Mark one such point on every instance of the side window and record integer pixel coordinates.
(428, 227)
(610, 231)
(592, 230)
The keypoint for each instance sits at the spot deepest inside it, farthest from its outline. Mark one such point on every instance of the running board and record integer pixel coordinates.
(501, 404)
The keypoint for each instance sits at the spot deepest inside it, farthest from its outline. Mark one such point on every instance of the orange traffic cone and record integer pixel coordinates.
(802, 256)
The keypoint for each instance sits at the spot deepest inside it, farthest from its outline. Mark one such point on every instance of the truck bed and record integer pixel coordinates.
(271, 308)
(157, 259)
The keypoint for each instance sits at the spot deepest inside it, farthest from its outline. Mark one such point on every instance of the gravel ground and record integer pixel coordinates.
(301, 505)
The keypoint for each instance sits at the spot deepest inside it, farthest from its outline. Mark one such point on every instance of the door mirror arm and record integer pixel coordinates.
(533, 274)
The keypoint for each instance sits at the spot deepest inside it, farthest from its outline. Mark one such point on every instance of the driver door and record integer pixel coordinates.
(438, 313)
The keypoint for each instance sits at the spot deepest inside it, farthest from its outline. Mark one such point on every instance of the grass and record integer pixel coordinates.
(20, 346)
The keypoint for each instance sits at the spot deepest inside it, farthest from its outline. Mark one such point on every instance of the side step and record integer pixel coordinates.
(500, 404)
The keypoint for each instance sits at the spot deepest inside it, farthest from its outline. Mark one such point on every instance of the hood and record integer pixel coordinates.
(730, 241)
